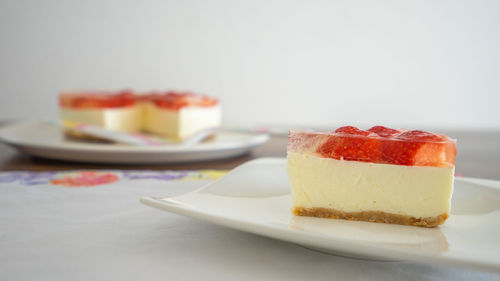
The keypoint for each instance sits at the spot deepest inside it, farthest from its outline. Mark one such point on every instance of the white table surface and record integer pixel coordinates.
(50, 232)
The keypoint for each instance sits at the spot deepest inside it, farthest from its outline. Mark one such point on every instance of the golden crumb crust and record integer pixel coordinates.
(371, 216)
(75, 135)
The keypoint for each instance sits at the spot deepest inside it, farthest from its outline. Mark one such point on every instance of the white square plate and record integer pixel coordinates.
(255, 197)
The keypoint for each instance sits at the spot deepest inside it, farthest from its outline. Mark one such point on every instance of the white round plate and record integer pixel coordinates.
(255, 197)
(47, 140)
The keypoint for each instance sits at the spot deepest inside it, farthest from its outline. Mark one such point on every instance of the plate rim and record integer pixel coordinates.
(254, 139)
(316, 239)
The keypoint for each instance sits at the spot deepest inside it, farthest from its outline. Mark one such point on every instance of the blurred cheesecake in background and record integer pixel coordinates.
(173, 115)
(119, 111)
(180, 115)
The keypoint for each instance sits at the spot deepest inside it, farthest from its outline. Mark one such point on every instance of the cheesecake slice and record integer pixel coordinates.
(119, 111)
(378, 175)
(178, 116)
(172, 115)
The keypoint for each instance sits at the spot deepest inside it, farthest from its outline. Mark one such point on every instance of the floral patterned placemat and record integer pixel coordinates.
(89, 178)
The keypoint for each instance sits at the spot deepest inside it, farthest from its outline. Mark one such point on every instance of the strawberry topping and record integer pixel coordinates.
(350, 143)
(175, 101)
(98, 100)
(418, 148)
(350, 130)
(389, 146)
(384, 131)
(420, 136)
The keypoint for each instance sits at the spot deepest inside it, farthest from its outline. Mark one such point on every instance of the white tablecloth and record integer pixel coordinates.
(53, 229)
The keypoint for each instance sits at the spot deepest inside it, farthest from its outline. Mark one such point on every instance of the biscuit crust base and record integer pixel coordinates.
(371, 216)
(75, 135)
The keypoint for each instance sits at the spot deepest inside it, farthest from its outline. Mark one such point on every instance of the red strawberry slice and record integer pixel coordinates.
(82, 102)
(384, 131)
(177, 100)
(351, 130)
(351, 143)
(95, 100)
(419, 148)
(420, 136)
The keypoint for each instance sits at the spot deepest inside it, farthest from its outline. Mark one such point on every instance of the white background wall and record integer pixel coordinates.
(400, 63)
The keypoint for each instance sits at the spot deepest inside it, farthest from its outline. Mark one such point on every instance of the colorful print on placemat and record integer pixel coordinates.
(205, 175)
(95, 178)
(155, 175)
(175, 175)
(27, 178)
(85, 179)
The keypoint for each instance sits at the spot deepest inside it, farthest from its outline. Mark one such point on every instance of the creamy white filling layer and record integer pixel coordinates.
(182, 123)
(352, 186)
(175, 124)
(127, 119)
